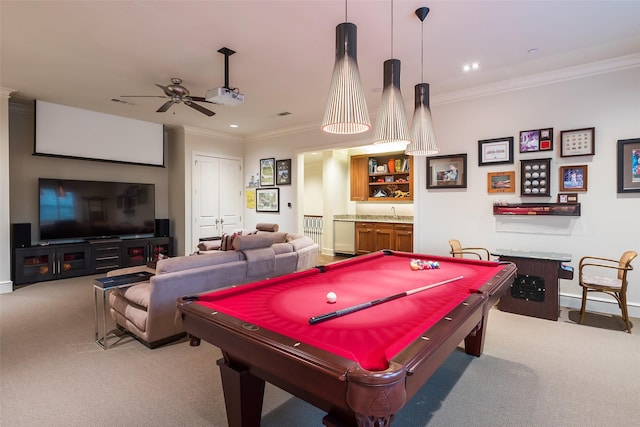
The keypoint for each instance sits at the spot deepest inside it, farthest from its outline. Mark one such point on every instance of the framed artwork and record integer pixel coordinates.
(535, 177)
(267, 200)
(501, 182)
(447, 171)
(267, 172)
(536, 140)
(573, 178)
(283, 172)
(568, 198)
(578, 142)
(629, 165)
(495, 151)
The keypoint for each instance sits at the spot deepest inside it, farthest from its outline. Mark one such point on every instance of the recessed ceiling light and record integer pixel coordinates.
(532, 51)
(233, 126)
(469, 67)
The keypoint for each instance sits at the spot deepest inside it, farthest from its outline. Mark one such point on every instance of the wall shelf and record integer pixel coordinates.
(560, 209)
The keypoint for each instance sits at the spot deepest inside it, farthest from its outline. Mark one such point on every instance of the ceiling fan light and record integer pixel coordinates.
(391, 124)
(424, 137)
(346, 111)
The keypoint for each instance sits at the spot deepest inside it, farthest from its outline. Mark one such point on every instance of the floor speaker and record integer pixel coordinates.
(21, 235)
(162, 227)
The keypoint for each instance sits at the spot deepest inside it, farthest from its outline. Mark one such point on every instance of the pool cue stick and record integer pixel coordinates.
(358, 307)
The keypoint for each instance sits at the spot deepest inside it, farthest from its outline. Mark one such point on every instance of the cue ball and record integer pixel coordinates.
(331, 297)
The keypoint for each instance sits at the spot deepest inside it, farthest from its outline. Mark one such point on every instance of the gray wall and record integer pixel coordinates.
(25, 169)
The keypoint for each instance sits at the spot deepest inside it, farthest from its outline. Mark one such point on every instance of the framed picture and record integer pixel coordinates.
(577, 142)
(494, 151)
(267, 200)
(535, 177)
(267, 172)
(283, 171)
(573, 178)
(536, 140)
(568, 198)
(501, 182)
(447, 171)
(629, 165)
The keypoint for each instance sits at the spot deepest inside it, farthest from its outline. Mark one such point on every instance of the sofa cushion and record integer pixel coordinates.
(131, 312)
(170, 265)
(226, 243)
(301, 243)
(279, 237)
(138, 294)
(282, 248)
(262, 226)
(261, 262)
(253, 241)
(209, 245)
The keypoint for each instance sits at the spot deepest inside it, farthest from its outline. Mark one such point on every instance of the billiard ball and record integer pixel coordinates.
(331, 297)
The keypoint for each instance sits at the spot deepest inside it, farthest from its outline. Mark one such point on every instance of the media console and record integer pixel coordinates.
(59, 261)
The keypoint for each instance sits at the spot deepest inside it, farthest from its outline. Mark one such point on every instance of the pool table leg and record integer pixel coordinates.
(243, 396)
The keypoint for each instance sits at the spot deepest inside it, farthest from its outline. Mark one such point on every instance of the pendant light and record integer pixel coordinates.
(391, 124)
(424, 137)
(346, 111)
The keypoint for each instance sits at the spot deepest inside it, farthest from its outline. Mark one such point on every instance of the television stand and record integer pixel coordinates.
(60, 261)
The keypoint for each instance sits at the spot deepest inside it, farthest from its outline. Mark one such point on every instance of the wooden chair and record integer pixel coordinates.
(591, 266)
(457, 251)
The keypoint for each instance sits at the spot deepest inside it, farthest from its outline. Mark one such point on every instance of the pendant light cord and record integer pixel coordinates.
(345, 11)
(391, 29)
(422, 54)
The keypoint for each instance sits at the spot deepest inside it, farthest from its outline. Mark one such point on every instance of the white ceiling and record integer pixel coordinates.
(84, 53)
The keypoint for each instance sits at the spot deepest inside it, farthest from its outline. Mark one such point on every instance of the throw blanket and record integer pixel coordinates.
(261, 262)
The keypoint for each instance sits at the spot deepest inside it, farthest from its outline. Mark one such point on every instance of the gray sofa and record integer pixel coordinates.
(148, 309)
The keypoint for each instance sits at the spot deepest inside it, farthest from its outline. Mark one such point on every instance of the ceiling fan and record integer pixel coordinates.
(177, 94)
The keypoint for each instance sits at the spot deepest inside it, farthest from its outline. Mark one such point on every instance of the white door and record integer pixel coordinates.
(217, 196)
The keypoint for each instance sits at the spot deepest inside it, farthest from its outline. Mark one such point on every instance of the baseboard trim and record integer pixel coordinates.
(598, 305)
(6, 287)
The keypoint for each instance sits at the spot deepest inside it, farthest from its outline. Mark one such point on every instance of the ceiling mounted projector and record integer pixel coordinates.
(224, 96)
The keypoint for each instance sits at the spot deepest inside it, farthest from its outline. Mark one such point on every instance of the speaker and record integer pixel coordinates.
(21, 235)
(162, 227)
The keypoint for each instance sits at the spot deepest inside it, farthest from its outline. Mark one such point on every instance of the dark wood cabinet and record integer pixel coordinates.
(404, 237)
(42, 263)
(106, 255)
(142, 251)
(381, 177)
(375, 236)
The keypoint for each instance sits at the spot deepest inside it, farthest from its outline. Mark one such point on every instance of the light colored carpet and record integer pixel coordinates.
(533, 372)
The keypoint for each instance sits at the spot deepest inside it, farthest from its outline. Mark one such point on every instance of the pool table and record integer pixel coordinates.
(362, 367)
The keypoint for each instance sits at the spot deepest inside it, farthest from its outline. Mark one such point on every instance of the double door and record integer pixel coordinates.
(217, 196)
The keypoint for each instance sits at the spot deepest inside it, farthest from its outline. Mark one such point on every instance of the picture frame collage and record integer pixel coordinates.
(272, 173)
(536, 174)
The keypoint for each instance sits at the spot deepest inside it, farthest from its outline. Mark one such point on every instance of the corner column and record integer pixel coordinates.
(5, 221)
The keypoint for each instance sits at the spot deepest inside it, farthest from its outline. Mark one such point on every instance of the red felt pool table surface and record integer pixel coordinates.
(373, 336)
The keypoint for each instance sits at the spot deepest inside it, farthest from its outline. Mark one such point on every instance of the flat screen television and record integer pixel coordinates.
(80, 210)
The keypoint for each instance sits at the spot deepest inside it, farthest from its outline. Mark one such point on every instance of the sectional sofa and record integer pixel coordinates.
(147, 310)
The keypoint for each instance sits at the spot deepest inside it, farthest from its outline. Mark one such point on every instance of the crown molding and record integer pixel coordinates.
(541, 79)
(511, 85)
(218, 135)
(6, 92)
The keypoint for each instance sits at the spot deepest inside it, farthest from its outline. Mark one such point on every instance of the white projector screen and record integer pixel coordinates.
(74, 132)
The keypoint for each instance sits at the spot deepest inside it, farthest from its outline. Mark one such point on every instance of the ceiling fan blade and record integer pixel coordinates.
(199, 108)
(165, 106)
(200, 99)
(142, 96)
